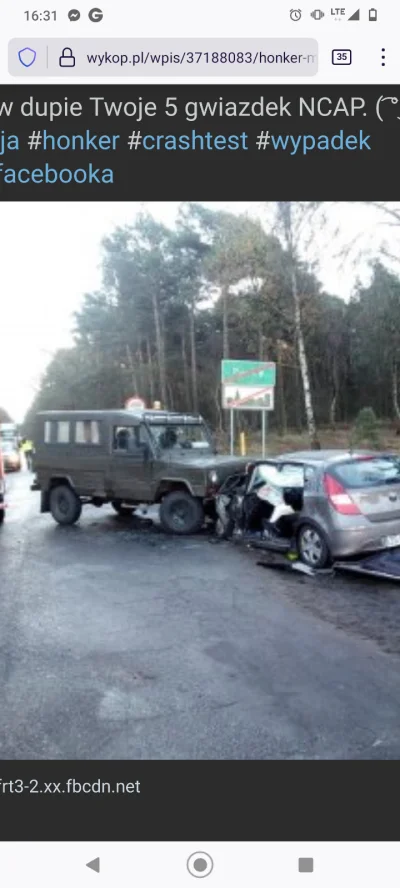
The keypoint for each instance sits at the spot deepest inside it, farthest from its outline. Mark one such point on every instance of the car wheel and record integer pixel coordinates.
(312, 547)
(65, 505)
(181, 513)
(126, 511)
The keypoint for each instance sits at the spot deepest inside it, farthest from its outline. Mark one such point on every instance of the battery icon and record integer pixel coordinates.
(373, 15)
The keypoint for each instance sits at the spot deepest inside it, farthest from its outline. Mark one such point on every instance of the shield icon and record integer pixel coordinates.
(27, 56)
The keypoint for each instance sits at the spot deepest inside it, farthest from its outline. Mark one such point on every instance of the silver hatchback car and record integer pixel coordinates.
(350, 503)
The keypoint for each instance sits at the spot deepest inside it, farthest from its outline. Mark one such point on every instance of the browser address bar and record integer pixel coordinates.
(118, 57)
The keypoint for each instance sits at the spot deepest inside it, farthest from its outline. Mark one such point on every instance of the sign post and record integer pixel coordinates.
(264, 430)
(248, 385)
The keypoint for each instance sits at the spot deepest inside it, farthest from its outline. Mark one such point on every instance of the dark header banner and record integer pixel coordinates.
(258, 142)
(218, 801)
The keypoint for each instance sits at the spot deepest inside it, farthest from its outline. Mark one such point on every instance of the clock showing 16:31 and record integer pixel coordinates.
(41, 15)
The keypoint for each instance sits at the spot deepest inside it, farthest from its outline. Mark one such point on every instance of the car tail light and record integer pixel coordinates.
(339, 498)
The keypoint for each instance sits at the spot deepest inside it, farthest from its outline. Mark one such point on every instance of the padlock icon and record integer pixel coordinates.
(67, 58)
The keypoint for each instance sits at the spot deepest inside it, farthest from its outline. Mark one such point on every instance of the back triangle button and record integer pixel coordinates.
(94, 865)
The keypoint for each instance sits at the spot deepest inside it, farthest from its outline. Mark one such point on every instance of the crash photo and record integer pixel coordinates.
(200, 481)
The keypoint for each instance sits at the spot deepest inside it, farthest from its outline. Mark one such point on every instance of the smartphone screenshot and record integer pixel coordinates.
(199, 444)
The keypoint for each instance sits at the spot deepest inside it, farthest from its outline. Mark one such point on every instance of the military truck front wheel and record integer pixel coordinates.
(65, 506)
(181, 513)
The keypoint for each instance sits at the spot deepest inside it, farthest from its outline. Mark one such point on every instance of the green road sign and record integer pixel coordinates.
(248, 373)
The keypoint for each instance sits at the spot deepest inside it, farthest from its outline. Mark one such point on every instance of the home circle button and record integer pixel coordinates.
(200, 864)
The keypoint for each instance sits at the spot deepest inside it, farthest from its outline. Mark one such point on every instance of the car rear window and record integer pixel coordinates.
(369, 472)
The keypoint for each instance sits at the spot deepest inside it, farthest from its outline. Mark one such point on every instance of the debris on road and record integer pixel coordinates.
(290, 564)
(385, 565)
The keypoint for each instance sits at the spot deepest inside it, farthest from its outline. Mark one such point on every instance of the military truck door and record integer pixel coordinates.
(131, 463)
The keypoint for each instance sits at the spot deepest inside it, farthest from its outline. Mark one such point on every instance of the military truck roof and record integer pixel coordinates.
(122, 416)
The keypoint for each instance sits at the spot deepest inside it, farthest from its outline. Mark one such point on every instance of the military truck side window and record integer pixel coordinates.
(47, 432)
(62, 433)
(87, 432)
(121, 438)
(131, 439)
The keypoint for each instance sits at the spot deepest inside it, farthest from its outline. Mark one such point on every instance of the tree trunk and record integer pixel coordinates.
(193, 359)
(333, 407)
(281, 396)
(218, 407)
(260, 345)
(225, 321)
(286, 215)
(185, 369)
(132, 369)
(299, 392)
(142, 382)
(150, 370)
(312, 429)
(171, 403)
(395, 391)
(160, 350)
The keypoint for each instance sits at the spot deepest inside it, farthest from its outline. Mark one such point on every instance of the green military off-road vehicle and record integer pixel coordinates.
(129, 458)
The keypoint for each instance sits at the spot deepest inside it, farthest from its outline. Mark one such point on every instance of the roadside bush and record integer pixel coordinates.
(365, 430)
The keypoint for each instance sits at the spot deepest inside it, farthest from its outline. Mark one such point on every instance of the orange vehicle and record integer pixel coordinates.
(2, 489)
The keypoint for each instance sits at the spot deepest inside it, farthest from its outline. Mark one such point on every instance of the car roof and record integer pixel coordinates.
(326, 456)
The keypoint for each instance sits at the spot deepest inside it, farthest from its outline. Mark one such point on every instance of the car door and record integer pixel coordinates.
(131, 463)
(293, 483)
(262, 473)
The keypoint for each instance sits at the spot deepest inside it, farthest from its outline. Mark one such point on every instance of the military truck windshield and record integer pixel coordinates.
(181, 437)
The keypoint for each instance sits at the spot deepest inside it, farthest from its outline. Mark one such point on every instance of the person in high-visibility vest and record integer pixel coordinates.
(28, 450)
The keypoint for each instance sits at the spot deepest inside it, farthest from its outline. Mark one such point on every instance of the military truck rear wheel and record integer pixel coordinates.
(122, 510)
(65, 506)
(181, 513)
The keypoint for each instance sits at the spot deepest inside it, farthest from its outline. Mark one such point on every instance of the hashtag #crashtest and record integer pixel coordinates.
(292, 145)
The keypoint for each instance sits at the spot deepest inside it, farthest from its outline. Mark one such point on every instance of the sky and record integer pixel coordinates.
(51, 255)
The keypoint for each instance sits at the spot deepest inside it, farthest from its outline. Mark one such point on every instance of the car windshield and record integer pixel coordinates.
(369, 472)
(181, 436)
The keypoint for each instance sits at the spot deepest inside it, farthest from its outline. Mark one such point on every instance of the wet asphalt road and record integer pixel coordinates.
(119, 642)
